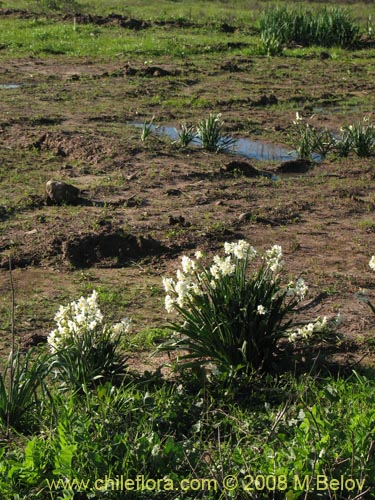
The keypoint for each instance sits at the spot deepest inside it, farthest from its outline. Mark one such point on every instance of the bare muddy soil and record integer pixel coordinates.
(144, 204)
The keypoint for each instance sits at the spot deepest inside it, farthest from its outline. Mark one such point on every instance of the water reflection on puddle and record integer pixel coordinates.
(10, 85)
(247, 148)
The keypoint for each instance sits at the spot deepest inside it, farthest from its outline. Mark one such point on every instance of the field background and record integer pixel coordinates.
(83, 84)
(74, 81)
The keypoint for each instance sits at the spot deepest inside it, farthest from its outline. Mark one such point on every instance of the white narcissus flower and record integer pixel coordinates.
(372, 263)
(240, 250)
(215, 272)
(307, 331)
(261, 310)
(169, 303)
(298, 119)
(168, 284)
(198, 254)
(188, 265)
(122, 328)
(298, 289)
(227, 267)
(222, 267)
(274, 258)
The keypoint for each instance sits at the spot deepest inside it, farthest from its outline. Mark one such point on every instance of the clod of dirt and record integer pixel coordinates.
(247, 216)
(324, 55)
(4, 213)
(242, 167)
(227, 28)
(35, 339)
(173, 192)
(110, 248)
(295, 166)
(59, 193)
(265, 100)
(231, 67)
(156, 71)
(174, 221)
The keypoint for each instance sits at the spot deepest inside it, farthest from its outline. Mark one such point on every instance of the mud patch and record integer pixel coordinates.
(110, 20)
(298, 166)
(149, 71)
(110, 248)
(75, 146)
(23, 14)
(266, 100)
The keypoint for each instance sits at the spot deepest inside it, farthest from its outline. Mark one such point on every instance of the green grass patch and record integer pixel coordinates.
(44, 37)
(328, 27)
(292, 431)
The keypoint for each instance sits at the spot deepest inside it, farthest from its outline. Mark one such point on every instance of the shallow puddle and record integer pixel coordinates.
(10, 85)
(256, 150)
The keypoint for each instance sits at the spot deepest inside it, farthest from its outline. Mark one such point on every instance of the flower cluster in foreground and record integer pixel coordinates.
(79, 318)
(191, 279)
(234, 310)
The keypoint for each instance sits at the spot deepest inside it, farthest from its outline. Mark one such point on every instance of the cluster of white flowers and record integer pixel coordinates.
(274, 258)
(372, 263)
(81, 316)
(179, 291)
(222, 267)
(189, 279)
(297, 289)
(119, 329)
(241, 250)
(188, 265)
(308, 330)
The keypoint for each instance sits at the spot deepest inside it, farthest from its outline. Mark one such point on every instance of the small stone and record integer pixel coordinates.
(61, 193)
(244, 217)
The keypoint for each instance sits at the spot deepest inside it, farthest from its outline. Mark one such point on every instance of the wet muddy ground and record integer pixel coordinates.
(144, 204)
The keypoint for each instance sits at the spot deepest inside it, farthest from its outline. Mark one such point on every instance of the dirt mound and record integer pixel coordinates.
(299, 166)
(74, 145)
(150, 71)
(109, 248)
(23, 14)
(110, 20)
(242, 167)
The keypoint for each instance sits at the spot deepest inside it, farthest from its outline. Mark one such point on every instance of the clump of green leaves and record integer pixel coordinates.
(210, 133)
(329, 26)
(231, 316)
(147, 129)
(311, 140)
(358, 138)
(186, 134)
(270, 44)
(21, 389)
